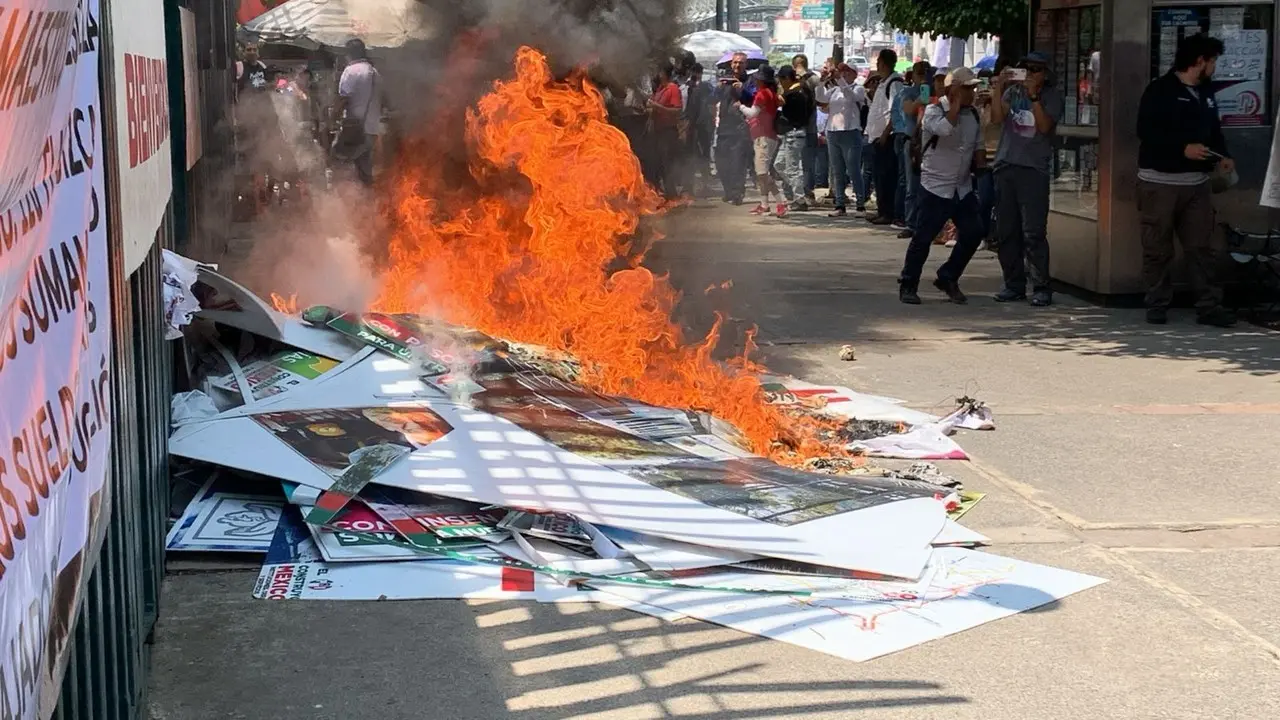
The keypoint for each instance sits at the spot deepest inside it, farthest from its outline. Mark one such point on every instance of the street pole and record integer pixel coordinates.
(733, 13)
(837, 50)
(720, 14)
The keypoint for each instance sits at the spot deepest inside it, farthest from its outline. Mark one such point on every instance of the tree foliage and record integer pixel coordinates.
(956, 18)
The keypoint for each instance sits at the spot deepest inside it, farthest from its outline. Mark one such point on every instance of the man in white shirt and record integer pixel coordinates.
(880, 133)
(360, 100)
(844, 100)
(951, 133)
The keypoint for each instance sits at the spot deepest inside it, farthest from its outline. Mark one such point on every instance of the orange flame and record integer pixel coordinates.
(529, 260)
(288, 306)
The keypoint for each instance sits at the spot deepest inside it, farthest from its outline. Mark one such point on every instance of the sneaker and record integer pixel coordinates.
(906, 235)
(838, 212)
(760, 210)
(782, 210)
(800, 206)
(900, 224)
(1157, 316)
(908, 295)
(949, 243)
(1217, 317)
(1010, 295)
(811, 199)
(952, 290)
(880, 220)
(1041, 298)
(861, 210)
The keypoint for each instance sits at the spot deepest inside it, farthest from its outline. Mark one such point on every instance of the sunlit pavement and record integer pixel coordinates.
(1143, 455)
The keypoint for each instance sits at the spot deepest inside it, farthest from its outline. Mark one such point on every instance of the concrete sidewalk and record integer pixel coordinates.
(1143, 455)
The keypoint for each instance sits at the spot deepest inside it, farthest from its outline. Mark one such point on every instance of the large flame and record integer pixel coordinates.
(537, 261)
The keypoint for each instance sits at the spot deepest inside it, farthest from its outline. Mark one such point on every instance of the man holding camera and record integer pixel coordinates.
(1029, 107)
(951, 136)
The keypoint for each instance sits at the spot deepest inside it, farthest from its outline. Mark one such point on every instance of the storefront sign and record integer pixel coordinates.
(1241, 103)
(55, 421)
(142, 118)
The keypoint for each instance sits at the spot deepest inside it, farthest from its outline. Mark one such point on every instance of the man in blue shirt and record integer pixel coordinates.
(906, 110)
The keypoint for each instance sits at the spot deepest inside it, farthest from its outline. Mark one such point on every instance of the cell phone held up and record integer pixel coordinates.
(1018, 74)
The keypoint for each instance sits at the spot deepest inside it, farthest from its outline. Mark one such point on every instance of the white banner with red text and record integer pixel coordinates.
(142, 123)
(55, 340)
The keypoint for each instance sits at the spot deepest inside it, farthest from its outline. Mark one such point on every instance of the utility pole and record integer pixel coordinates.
(734, 13)
(720, 14)
(837, 50)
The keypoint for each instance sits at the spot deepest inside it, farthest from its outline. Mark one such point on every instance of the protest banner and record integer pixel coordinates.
(142, 123)
(55, 341)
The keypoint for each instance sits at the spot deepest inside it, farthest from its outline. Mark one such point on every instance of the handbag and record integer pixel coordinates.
(350, 140)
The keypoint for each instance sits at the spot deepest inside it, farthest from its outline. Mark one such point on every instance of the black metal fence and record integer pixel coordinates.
(107, 667)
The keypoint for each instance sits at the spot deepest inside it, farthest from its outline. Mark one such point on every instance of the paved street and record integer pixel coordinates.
(1143, 455)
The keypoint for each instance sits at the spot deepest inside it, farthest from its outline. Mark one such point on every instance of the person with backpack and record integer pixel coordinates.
(880, 130)
(762, 120)
(794, 120)
(952, 133)
(907, 111)
(846, 102)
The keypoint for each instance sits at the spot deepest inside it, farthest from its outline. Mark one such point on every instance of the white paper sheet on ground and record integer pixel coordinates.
(225, 522)
(490, 460)
(968, 589)
(845, 402)
(923, 442)
(953, 533)
(670, 555)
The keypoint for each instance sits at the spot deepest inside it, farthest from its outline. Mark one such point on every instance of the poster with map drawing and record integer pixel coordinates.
(217, 521)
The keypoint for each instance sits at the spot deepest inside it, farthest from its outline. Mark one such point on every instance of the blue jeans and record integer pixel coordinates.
(933, 213)
(821, 166)
(844, 148)
(809, 158)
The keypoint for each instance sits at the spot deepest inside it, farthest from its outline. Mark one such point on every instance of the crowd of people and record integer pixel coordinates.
(952, 158)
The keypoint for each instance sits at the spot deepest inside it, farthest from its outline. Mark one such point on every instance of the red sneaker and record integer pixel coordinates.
(782, 209)
(760, 210)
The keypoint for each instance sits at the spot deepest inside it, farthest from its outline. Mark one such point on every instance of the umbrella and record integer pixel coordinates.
(313, 23)
(986, 62)
(710, 46)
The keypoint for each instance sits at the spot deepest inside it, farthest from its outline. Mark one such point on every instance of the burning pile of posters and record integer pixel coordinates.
(389, 457)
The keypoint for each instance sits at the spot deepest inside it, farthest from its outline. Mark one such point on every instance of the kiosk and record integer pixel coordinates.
(1104, 53)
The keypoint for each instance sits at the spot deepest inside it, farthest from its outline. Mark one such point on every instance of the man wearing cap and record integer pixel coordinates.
(951, 136)
(1029, 109)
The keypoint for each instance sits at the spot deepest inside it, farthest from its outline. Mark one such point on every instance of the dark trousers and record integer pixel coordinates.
(932, 214)
(886, 178)
(1186, 210)
(868, 166)
(731, 154)
(364, 160)
(985, 186)
(1022, 225)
